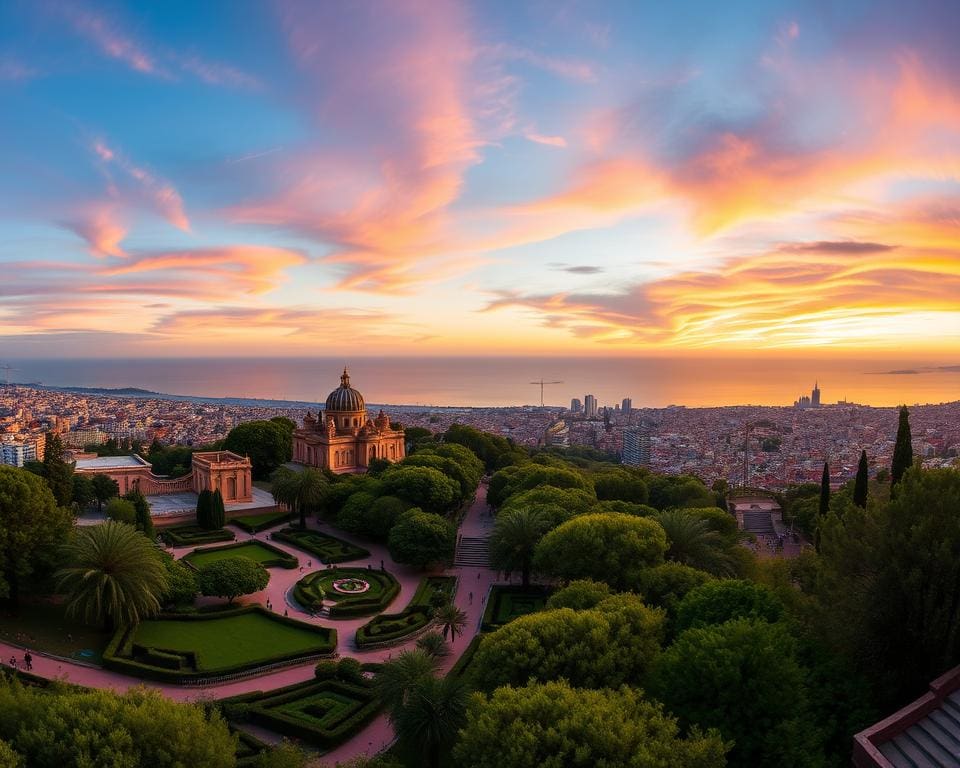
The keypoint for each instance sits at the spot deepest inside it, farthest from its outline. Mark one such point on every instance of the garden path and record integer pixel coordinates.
(377, 734)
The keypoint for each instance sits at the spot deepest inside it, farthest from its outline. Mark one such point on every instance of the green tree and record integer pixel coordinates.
(553, 725)
(303, 492)
(57, 473)
(511, 480)
(218, 513)
(82, 490)
(104, 489)
(283, 755)
(580, 595)
(691, 541)
(490, 448)
(69, 726)
(862, 481)
(352, 515)
(514, 539)
(608, 645)
(382, 515)
(902, 449)
(452, 621)
(668, 491)
(607, 547)
(424, 487)
(620, 485)
(431, 716)
(434, 644)
(205, 509)
(421, 539)
(268, 444)
(560, 503)
(32, 527)
(397, 677)
(733, 677)
(232, 577)
(142, 509)
(181, 583)
(825, 490)
(114, 575)
(716, 602)
(718, 520)
(122, 511)
(666, 585)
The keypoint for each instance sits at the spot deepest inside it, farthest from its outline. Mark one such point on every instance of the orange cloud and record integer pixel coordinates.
(100, 226)
(550, 141)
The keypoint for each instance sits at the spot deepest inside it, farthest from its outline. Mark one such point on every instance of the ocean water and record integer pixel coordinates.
(478, 381)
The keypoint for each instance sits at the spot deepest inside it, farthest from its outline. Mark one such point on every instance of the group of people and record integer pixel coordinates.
(27, 662)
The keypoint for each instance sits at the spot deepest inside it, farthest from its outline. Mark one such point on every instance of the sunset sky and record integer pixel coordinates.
(436, 177)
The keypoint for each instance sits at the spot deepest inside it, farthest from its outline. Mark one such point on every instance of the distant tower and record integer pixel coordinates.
(590, 406)
(575, 405)
(815, 396)
(627, 406)
(636, 446)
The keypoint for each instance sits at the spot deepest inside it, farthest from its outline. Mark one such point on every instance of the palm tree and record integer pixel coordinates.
(115, 575)
(692, 542)
(300, 491)
(431, 717)
(434, 644)
(395, 678)
(515, 537)
(452, 620)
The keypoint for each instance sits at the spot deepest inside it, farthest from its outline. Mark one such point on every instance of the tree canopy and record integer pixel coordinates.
(424, 487)
(716, 602)
(268, 444)
(421, 539)
(231, 577)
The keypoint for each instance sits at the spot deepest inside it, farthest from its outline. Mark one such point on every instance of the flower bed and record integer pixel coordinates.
(326, 548)
(323, 712)
(391, 627)
(187, 535)
(257, 551)
(257, 523)
(186, 647)
(508, 602)
(319, 586)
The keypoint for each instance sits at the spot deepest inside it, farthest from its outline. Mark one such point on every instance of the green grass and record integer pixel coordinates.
(419, 613)
(327, 548)
(222, 643)
(255, 550)
(507, 603)
(383, 589)
(44, 627)
(257, 523)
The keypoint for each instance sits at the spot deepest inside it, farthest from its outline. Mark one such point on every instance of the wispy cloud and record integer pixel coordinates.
(550, 141)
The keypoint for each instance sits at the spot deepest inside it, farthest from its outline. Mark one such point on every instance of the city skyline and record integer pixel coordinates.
(467, 178)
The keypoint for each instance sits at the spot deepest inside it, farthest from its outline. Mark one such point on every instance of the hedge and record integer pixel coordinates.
(258, 523)
(460, 666)
(262, 708)
(349, 605)
(501, 593)
(282, 560)
(120, 651)
(185, 535)
(420, 611)
(328, 549)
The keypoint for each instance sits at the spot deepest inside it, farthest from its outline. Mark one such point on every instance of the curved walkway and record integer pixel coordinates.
(377, 734)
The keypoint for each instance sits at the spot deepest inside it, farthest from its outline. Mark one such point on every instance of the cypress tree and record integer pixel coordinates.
(860, 486)
(825, 490)
(902, 451)
(204, 509)
(218, 514)
(142, 506)
(57, 473)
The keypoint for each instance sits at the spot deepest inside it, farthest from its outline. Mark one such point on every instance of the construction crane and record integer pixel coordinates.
(6, 372)
(543, 383)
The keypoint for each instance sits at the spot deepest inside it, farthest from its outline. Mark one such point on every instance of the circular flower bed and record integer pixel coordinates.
(351, 586)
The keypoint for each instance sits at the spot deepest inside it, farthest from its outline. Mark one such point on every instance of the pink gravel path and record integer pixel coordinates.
(378, 734)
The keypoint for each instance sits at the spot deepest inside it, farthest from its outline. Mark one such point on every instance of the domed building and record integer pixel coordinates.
(343, 438)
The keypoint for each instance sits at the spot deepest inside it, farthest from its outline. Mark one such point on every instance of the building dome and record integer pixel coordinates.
(345, 397)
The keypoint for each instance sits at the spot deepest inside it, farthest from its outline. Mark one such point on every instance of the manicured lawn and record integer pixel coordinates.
(326, 548)
(507, 603)
(231, 641)
(255, 550)
(44, 627)
(383, 589)
(257, 523)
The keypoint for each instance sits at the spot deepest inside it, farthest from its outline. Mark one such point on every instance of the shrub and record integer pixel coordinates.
(325, 670)
(580, 595)
(122, 511)
(717, 602)
(391, 627)
(328, 549)
(186, 535)
(258, 523)
(232, 577)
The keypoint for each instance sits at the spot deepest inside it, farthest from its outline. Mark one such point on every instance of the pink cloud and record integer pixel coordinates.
(113, 42)
(101, 227)
(13, 70)
(550, 141)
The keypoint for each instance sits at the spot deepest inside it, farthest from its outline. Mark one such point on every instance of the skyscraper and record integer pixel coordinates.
(575, 405)
(636, 445)
(590, 406)
(815, 396)
(627, 406)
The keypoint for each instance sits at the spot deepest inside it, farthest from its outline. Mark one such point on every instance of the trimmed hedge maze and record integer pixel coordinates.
(507, 603)
(257, 523)
(187, 535)
(390, 627)
(383, 588)
(257, 551)
(328, 549)
(185, 647)
(323, 712)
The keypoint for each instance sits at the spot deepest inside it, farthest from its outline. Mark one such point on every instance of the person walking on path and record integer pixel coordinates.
(28, 661)
(471, 598)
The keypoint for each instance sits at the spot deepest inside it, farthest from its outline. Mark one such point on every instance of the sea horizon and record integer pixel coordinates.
(487, 381)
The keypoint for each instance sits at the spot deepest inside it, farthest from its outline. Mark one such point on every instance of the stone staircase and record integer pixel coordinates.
(473, 551)
(759, 523)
